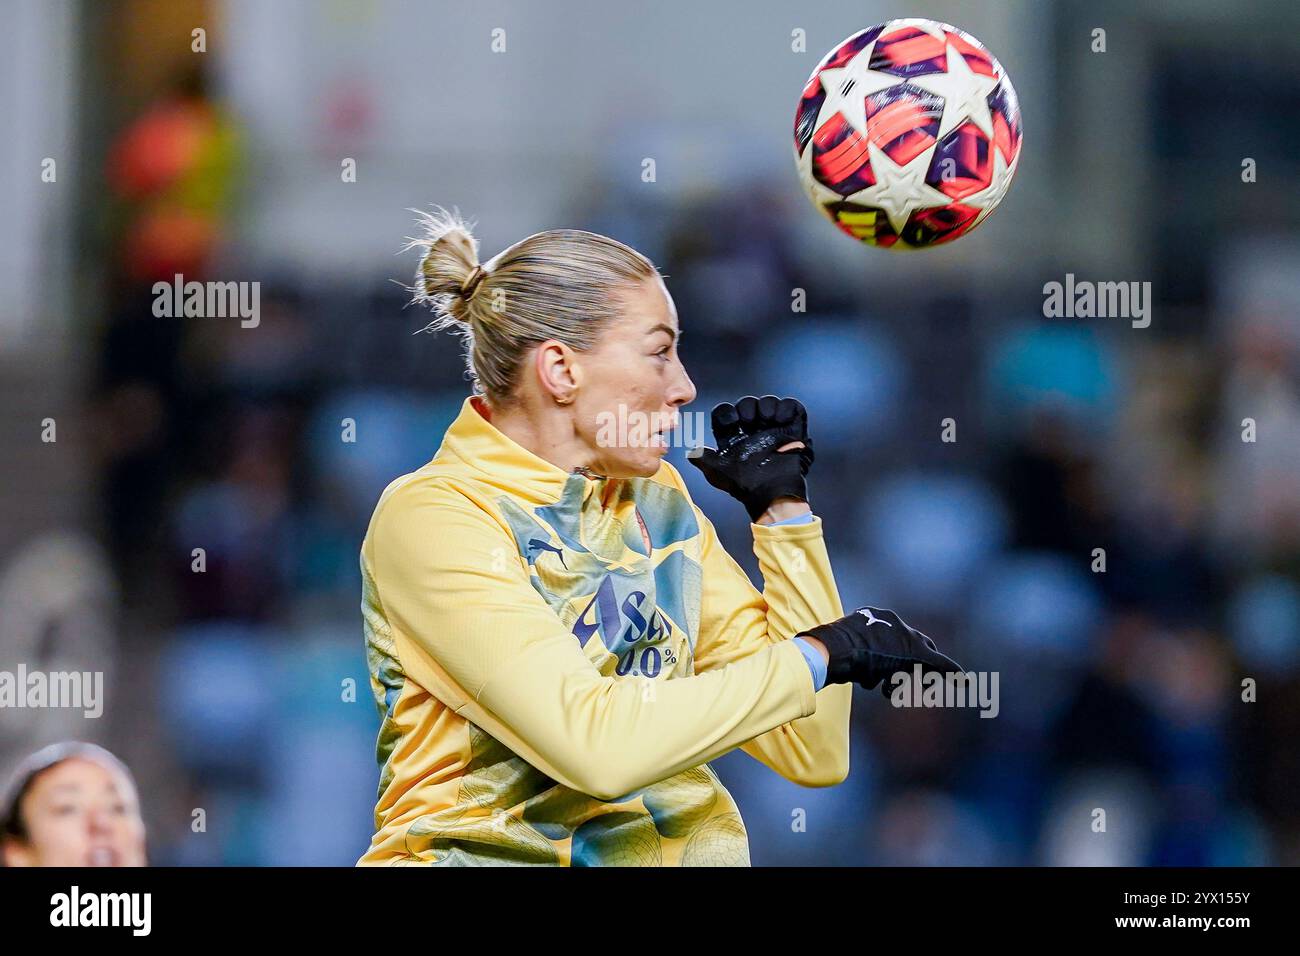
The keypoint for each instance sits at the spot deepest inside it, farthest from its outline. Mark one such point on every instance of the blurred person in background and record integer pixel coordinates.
(71, 804)
(505, 740)
(173, 177)
(173, 172)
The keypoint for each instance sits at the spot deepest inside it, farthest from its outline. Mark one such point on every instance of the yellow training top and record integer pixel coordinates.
(557, 657)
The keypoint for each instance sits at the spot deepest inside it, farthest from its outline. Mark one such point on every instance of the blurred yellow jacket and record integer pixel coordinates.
(556, 657)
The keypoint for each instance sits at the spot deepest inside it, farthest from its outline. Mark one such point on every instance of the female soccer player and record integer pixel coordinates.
(71, 804)
(558, 644)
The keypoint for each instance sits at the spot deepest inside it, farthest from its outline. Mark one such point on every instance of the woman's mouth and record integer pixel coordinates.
(660, 438)
(103, 856)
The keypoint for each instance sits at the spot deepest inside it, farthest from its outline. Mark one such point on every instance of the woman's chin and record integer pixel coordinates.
(638, 463)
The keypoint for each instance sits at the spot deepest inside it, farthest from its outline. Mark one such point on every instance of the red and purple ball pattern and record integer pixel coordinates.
(908, 134)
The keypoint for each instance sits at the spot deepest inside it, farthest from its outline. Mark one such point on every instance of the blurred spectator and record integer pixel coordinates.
(71, 804)
(174, 170)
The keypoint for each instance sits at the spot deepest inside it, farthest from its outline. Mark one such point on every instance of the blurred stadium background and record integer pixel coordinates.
(1118, 690)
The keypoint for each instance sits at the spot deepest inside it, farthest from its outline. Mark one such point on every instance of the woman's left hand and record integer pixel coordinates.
(763, 452)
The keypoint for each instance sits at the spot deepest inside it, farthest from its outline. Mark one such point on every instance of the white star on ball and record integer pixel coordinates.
(965, 94)
(848, 87)
(899, 189)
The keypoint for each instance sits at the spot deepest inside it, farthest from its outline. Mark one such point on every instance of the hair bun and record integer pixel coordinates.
(472, 282)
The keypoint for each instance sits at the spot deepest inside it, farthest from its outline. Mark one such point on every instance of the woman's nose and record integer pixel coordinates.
(683, 392)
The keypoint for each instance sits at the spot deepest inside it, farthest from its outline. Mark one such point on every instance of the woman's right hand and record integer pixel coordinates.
(763, 452)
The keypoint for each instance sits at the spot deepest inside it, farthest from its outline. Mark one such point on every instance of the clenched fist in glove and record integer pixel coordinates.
(871, 644)
(749, 463)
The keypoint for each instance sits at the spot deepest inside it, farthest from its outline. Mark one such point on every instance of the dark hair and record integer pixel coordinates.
(12, 824)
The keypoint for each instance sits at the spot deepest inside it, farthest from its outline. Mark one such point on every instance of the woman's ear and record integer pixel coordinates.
(557, 369)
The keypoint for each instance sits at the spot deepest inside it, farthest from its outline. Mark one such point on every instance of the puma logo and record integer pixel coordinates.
(871, 617)
(537, 544)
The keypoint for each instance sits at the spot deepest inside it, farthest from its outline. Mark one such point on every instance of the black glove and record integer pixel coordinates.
(746, 463)
(871, 644)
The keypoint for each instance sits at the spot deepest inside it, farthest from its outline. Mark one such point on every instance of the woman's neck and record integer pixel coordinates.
(549, 437)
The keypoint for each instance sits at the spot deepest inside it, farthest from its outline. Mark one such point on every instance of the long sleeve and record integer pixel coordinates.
(737, 621)
(471, 628)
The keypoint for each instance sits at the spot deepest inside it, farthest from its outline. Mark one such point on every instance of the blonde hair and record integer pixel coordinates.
(560, 284)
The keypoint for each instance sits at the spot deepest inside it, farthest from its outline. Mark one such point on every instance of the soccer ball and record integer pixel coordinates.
(907, 134)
